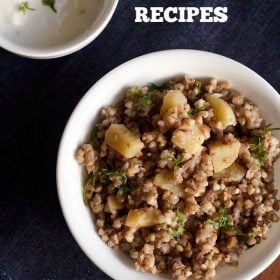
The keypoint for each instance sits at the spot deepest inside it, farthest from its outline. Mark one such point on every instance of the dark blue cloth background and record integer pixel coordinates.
(37, 97)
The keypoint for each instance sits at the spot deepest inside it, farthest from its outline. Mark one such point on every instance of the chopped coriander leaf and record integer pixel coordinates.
(251, 234)
(89, 184)
(103, 178)
(244, 237)
(196, 110)
(177, 161)
(122, 189)
(179, 232)
(153, 87)
(181, 218)
(118, 173)
(94, 137)
(257, 145)
(270, 128)
(258, 149)
(24, 7)
(50, 3)
(214, 224)
(145, 100)
(223, 222)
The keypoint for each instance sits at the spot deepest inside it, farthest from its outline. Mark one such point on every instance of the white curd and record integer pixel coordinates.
(43, 27)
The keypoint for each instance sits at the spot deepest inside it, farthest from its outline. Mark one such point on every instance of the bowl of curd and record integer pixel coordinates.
(45, 29)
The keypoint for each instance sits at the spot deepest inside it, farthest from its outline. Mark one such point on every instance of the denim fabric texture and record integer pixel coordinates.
(37, 98)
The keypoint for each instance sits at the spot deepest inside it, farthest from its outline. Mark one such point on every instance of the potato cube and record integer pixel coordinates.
(143, 217)
(119, 138)
(188, 138)
(223, 155)
(113, 204)
(223, 113)
(173, 99)
(165, 180)
(234, 173)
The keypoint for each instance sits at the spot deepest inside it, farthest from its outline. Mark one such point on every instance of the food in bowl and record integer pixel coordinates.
(180, 176)
(45, 23)
(52, 28)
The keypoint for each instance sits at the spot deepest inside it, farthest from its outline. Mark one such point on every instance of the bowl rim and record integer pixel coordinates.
(252, 272)
(72, 46)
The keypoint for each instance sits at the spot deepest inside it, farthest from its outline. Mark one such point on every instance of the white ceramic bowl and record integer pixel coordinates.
(155, 67)
(43, 34)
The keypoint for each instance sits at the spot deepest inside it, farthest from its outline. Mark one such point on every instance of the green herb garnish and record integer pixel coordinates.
(196, 110)
(50, 3)
(124, 187)
(145, 100)
(244, 237)
(179, 232)
(176, 161)
(90, 183)
(24, 7)
(181, 219)
(270, 128)
(257, 146)
(94, 137)
(258, 149)
(118, 173)
(153, 87)
(223, 222)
